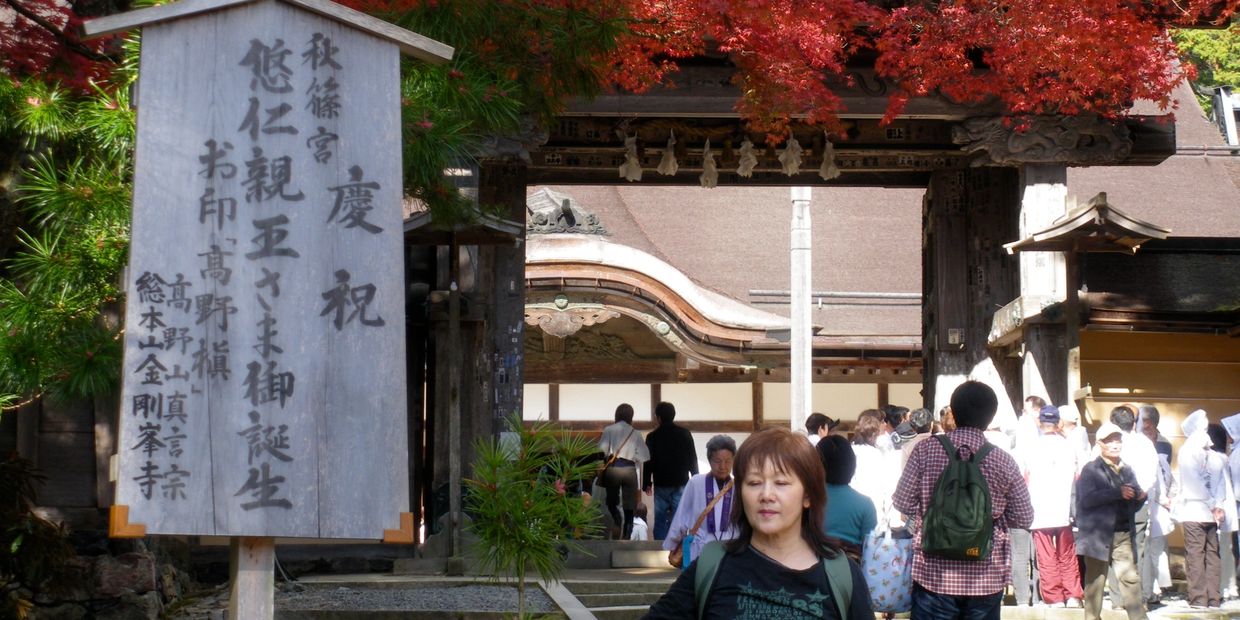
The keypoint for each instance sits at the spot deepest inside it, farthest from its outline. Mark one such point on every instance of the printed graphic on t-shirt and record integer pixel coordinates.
(757, 604)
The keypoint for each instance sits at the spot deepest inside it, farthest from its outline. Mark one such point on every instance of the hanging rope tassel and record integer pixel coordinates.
(748, 160)
(710, 173)
(790, 157)
(668, 164)
(828, 170)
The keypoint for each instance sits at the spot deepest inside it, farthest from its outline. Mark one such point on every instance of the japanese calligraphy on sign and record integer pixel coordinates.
(264, 371)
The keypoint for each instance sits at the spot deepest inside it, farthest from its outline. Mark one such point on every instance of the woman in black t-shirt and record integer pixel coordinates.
(774, 569)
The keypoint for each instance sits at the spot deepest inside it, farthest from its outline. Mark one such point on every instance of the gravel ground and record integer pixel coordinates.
(415, 597)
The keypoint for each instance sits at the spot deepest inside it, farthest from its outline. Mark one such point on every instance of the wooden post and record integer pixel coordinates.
(802, 282)
(501, 182)
(1044, 372)
(29, 416)
(252, 575)
(758, 406)
(969, 215)
(454, 400)
(105, 411)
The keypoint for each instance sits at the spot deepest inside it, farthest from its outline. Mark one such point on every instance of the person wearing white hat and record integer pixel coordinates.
(1107, 496)
(1070, 426)
(1200, 510)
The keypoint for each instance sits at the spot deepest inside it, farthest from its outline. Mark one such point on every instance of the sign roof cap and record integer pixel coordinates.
(410, 43)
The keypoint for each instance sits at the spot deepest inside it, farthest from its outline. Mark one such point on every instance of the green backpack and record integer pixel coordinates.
(958, 524)
(839, 577)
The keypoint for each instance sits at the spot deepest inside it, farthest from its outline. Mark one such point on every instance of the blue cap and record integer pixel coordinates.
(1048, 414)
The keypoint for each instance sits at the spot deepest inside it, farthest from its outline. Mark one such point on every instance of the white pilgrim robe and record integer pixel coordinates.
(692, 503)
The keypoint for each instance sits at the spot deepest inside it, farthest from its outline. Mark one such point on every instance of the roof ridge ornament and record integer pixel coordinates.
(551, 212)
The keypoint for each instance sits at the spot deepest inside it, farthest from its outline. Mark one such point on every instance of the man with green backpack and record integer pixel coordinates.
(962, 496)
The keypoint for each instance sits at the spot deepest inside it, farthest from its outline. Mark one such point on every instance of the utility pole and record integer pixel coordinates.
(799, 254)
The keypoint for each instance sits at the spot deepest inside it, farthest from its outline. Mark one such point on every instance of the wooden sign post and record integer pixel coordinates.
(264, 371)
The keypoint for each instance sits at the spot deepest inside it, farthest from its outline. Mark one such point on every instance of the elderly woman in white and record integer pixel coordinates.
(1200, 509)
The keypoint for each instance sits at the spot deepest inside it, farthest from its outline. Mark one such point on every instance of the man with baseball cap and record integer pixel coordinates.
(1107, 496)
(1050, 467)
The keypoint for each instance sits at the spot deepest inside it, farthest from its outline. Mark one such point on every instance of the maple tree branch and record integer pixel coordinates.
(69, 42)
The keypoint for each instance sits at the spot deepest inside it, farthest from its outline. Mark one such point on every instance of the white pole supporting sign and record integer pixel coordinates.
(264, 371)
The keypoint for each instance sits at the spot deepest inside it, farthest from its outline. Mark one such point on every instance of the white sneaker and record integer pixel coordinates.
(1072, 602)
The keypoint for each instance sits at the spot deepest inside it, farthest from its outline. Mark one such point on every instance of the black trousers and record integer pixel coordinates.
(621, 483)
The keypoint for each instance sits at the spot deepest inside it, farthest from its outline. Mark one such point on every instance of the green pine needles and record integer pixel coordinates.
(524, 502)
(67, 187)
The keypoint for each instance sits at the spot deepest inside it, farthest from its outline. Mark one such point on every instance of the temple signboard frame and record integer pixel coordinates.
(264, 372)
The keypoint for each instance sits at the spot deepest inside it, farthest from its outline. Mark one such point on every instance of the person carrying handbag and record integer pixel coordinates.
(626, 452)
(705, 507)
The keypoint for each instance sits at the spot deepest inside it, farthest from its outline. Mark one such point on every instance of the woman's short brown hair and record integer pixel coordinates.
(791, 453)
(869, 425)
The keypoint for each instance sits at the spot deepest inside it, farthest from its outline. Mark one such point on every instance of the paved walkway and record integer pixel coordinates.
(575, 610)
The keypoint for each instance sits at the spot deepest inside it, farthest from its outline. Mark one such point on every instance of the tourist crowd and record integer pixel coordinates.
(1070, 522)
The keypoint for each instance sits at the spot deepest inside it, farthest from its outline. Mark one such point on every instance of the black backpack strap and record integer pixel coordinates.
(982, 452)
(947, 445)
(955, 454)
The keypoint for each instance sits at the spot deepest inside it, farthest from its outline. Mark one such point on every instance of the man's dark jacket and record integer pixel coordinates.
(1100, 506)
(672, 456)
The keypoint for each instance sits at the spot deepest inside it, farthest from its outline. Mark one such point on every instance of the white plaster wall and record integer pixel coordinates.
(536, 402)
(843, 401)
(699, 443)
(598, 401)
(710, 402)
(905, 395)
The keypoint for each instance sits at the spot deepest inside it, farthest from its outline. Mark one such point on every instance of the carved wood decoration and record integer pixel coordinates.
(1071, 140)
(565, 322)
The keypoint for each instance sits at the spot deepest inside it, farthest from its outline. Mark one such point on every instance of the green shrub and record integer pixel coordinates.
(525, 514)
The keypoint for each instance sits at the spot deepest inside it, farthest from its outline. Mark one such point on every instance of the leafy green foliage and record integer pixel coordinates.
(34, 552)
(524, 516)
(516, 63)
(74, 191)
(1215, 54)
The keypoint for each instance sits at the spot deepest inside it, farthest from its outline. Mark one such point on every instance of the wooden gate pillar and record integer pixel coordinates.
(1043, 282)
(478, 336)
(502, 183)
(968, 216)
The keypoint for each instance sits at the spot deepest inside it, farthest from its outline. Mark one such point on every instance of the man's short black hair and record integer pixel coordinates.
(815, 422)
(1037, 401)
(1218, 437)
(1124, 417)
(624, 413)
(838, 459)
(974, 405)
(665, 411)
(1150, 412)
(894, 414)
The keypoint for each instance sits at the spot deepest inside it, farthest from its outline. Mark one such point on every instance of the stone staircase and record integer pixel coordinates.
(618, 580)
(619, 599)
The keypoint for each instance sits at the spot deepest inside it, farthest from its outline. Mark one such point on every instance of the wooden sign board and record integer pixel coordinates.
(264, 374)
